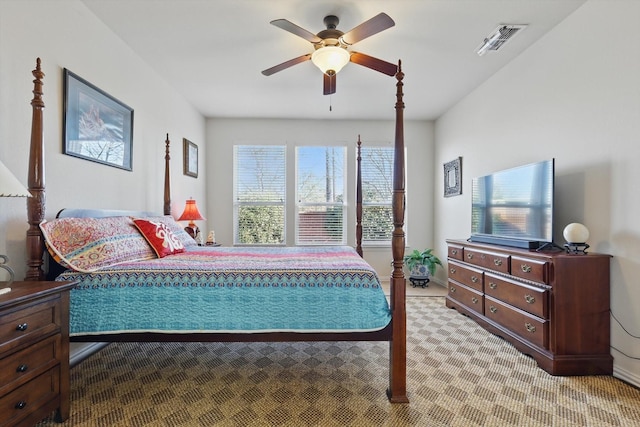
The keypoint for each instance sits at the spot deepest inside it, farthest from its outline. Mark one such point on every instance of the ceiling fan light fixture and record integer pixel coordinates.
(330, 59)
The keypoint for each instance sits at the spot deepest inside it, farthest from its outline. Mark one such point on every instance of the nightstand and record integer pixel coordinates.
(34, 352)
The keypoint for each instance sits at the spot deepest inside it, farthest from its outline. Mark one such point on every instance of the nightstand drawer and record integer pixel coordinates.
(30, 397)
(28, 363)
(28, 323)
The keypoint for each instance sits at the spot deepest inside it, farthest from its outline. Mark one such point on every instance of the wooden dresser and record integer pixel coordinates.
(550, 305)
(34, 352)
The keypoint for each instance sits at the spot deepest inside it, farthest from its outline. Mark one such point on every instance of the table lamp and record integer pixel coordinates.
(191, 214)
(9, 187)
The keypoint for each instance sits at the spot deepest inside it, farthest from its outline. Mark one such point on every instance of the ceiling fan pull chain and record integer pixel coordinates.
(330, 102)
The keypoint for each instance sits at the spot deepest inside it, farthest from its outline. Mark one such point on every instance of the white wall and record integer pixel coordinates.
(223, 134)
(65, 34)
(575, 96)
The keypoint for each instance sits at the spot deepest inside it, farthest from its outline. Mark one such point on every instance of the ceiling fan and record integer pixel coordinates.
(331, 48)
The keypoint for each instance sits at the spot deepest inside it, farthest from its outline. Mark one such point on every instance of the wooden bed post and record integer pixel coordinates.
(167, 179)
(397, 391)
(36, 203)
(359, 200)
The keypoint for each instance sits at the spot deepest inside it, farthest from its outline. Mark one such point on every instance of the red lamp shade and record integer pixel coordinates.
(191, 213)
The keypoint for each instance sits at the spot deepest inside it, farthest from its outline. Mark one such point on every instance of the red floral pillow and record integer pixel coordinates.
(161, 239)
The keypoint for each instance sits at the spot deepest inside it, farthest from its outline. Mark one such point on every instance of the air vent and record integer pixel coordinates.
(499, 37)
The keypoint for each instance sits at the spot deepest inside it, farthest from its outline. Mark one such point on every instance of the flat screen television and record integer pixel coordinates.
(514, 207)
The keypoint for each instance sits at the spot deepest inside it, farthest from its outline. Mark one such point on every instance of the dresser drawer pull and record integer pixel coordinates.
(452, 270)
(474, 279)
(22, 327)
(454, 252)
(530, 327)
(452, 289)
(493, 285)
(497, 262)
(474, 300)
(529, 299)
(22, 368)
(470, 256)
(525, 268)
(21, 405)
(493, 309)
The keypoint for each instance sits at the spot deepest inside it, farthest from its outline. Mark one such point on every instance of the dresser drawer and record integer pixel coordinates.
(466, 275)
(490, 260)
(466, 296)
(28, 363)
(455, 252)
(29, 323)
(531, 328)
(528, 298)
(28, 398)
(530, 269)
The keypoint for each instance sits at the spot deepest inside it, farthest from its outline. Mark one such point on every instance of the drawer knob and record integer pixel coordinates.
(22, 368)
(22, 327)
(493, 309)
(525, 268)
(497, 262)
(21, 405)
(493, 285)
(529, 299)
(474, 279)
(452, 289)
(474, 300)
(530, 327)
(452, 270)
(454, 252)
(470, 256)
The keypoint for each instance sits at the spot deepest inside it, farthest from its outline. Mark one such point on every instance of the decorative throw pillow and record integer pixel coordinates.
(89, 244)
(175, 227)
(160, 237)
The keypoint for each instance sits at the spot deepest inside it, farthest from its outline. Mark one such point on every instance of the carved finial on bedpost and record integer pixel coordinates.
(397, 391)
(359, 200)
(167, 184)
(36, 203)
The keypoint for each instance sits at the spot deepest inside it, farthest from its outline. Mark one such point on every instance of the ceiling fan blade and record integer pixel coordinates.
(286, 64)
(374, 63)
(329, 83)
(297, 30)
(368, 28)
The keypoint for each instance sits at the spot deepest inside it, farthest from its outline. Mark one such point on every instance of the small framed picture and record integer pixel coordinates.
(453, 178)
(190, 158)
(97, 127)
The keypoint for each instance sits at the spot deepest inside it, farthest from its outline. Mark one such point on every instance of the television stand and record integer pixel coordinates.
(550, 246)
(551, 305)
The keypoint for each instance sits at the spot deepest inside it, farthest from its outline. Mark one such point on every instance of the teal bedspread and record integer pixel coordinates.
(235, 290)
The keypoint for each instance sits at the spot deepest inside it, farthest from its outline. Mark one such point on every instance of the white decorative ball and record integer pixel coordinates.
(575, 233)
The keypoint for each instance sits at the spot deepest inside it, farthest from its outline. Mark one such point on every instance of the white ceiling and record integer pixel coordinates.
(212, 51)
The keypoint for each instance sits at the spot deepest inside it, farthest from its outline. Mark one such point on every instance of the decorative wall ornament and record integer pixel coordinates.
(190, 158)
(453, 178)
(97, 126)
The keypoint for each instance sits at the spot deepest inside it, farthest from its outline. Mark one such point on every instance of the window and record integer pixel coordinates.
(320, 196)
(259, 194)
(377, 194)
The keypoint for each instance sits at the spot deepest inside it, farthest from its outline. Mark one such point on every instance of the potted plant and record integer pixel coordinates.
(422, 264)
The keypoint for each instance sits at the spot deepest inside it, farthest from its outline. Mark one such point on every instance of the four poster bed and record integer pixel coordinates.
(181, 284)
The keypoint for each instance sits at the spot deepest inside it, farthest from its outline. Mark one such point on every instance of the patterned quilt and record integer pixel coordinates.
(216, 289)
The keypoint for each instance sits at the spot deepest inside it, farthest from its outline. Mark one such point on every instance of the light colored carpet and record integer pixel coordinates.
(433, 289)
(458, 375)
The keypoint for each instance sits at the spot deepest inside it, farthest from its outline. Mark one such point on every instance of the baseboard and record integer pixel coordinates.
(626, 376)
(81, 350)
